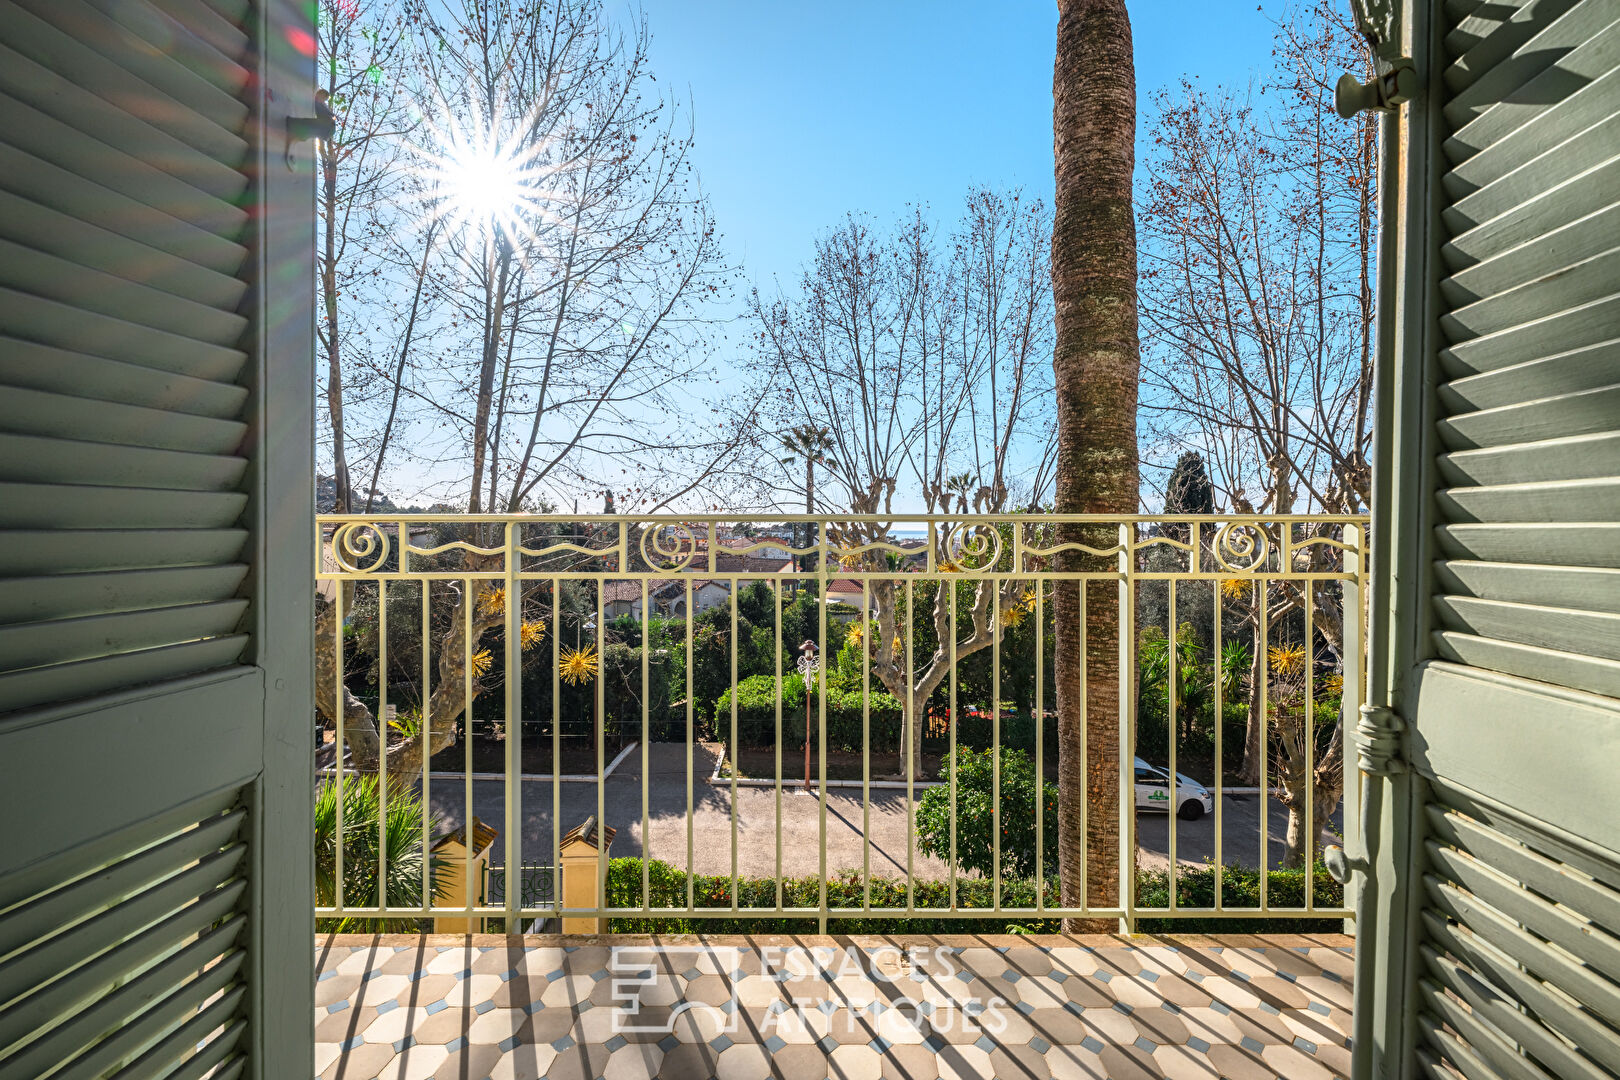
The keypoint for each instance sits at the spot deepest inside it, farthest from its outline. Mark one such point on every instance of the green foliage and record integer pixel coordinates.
(1240, 888)
(668, 888)
(975, 815)
(756, 712)
(402, 868)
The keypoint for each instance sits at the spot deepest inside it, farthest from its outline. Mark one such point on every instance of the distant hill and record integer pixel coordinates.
(326, 500)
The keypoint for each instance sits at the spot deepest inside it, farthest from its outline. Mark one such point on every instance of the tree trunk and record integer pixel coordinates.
(334, 359)
(1096, 365)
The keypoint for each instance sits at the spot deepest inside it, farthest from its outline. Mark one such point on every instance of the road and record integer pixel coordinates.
(752, 845)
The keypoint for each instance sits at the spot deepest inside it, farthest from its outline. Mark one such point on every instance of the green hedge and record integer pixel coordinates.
(1196, 888)
(756, 714)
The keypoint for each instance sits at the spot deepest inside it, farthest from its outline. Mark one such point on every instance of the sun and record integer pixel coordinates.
(486, 175)
(484, 185)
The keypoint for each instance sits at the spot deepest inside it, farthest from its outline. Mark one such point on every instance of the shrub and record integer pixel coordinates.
(756, 713)
(975, 814)
(402, 869)
(668, 888)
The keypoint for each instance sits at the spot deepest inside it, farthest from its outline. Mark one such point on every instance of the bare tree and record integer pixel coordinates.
(360, 51)
(926, 364)
(569, 257)
(1257, 303)
(1096, 362)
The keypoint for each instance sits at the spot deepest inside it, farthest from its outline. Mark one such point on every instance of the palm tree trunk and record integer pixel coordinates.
(1096, 362)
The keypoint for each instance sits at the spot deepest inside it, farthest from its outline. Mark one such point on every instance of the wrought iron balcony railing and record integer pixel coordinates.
(534, 658)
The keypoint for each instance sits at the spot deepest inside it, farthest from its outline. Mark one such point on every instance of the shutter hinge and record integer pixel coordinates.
(1395, 78)
(1379, 732)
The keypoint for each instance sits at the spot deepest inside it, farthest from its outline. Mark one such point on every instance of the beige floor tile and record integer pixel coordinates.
(524, 1063)
(1236, 1063)
(909, 1063)
(744, 1061)
(964, 1063)
(854, 1063)
(1294, 1063)
(338, 988)
(1160, 1026)
(1017, 1062)
(446, 1025)
(637, 1061)
(798, 1062)
(468, 1063)
(692, 1061)
(1128, 1063)
(496, 1025)
(1074, 1063)
(1041, 993)
(394, 1025)
(1109, 1026)
(415, 1063)
(361, 1063)
(1073, 960)
(1183, 1063)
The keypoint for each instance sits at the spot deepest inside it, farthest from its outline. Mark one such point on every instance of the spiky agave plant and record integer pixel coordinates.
(400, 842)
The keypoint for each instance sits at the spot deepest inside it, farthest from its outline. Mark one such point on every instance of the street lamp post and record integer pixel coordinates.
(809, 664)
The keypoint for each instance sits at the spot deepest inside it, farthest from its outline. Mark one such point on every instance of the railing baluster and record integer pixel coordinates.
(646, 739)
(776, 666)
(1218, 601)
(1263, 638)
(911, 750)
(736, 747)
(426, 732)
(1040, 745)
(556, 742)
(1309, 589)
(382, 742)
(1174, 809)
(866, 748)
(823, 581)
(469, 601)
(1286, 541)
(514, 727)
(1125, 627)
(339, 900)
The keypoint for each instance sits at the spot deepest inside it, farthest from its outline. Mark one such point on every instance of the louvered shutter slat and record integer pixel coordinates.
(66, 596)
(41, 35)
(30, 412)
(44, 506)
(59, 461)
(34, 552)
(1530, 406)
(27, 364)
(122, 289)
(110, 961)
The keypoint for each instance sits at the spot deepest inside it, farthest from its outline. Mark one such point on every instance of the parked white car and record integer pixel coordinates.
(1153, 792)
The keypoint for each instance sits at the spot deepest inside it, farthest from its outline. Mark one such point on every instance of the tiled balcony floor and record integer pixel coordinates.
(457, 1008)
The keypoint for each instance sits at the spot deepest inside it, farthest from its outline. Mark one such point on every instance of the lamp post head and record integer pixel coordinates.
(808, 648)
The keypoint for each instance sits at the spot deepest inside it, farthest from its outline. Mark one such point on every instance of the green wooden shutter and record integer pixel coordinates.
(122, 404)
(155, 517)
(1491, 918)
(1528, 580)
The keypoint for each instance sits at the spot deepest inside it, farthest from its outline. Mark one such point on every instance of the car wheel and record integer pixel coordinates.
(1191, 810)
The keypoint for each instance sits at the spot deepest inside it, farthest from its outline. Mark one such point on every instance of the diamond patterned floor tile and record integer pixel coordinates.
(1088, 1009)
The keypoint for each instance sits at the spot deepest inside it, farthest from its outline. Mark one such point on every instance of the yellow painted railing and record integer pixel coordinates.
(665, 635)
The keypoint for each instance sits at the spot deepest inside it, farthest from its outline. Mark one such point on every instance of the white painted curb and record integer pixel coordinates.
(565, 778)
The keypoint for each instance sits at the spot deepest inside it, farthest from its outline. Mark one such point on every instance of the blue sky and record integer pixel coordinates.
(807, 110)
